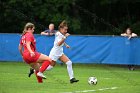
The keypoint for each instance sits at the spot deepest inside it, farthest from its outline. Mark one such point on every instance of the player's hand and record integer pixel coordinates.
(67, 46)
(46, 34)
(51, 34)
(32, 54)
(67, 34)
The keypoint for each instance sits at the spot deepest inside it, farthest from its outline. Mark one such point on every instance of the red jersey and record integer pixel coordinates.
(26, 55)
(28, 37)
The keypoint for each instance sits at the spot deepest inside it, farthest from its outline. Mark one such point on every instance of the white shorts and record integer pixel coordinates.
(56, 53)
(54, 57)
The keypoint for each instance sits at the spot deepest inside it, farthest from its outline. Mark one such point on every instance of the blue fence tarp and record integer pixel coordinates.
(84, 49)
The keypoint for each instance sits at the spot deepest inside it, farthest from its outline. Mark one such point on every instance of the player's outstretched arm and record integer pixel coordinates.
(44, 33)
(123, 34)
(63, 39)
(67, 46)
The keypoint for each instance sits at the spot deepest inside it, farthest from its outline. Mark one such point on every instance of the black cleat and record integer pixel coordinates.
(73, 80)
(31, 72)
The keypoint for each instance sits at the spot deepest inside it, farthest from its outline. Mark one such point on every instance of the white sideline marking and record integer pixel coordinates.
(84, 91)
(107, 88)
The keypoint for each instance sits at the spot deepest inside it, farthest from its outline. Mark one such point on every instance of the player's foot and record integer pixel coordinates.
(31, 72)
(73, 80)
(41, 75)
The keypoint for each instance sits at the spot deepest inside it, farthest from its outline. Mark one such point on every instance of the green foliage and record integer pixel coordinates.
(136, 27)
(84, 16)
(108, 16)
(41, 13)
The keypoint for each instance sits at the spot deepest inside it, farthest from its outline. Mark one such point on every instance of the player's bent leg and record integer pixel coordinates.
(64, 58)
(53, 62)
(51, 65)
(67, 61)
(43, 58)
(46, 61)
(31, 72)
(44, 66)
(36, 66)
(38, 78)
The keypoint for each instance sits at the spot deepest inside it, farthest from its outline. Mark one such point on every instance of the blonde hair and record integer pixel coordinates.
(27, 26)
(63, 24)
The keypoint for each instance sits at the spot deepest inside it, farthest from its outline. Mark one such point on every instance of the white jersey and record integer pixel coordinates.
(57, 51)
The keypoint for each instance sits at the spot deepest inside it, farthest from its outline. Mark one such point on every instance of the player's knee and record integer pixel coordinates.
(49, 60)
(69, 63)
(53, 63)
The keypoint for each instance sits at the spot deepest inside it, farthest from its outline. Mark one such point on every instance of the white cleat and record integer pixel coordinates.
(41, 75)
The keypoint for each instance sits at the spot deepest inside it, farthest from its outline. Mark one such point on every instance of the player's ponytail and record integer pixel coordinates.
(27, 26)
(62, 24)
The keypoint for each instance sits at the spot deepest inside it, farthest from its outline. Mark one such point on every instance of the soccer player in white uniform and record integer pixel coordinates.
(57, 50)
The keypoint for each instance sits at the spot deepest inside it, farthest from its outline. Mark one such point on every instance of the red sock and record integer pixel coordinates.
(44, 66)
(39, 79)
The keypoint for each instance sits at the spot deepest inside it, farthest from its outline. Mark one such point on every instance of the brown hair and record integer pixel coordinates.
(128, 29)
(27, 26)
(63, 24)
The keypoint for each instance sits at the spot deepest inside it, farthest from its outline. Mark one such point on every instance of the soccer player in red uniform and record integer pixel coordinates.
(27, 48)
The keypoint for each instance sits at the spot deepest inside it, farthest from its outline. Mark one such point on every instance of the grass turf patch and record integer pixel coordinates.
(14, 79)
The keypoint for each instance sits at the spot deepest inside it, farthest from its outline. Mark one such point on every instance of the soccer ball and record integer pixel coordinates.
(92, 80)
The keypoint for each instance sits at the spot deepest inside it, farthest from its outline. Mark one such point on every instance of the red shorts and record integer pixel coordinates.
(28, 59)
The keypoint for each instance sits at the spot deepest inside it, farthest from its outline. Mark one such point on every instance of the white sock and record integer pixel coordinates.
(49, 67)
(69, 69)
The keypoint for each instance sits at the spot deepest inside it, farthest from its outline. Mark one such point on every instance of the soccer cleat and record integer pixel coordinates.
(41, 75)
(73, 80)
(31, 72)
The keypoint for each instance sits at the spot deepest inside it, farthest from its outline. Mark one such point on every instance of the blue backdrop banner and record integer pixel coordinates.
(84, 49)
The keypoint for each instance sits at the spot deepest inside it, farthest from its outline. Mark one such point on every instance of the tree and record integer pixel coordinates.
(84, 16)
(40, 13)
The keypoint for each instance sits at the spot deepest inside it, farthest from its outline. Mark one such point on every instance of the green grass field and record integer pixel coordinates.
(111, 79)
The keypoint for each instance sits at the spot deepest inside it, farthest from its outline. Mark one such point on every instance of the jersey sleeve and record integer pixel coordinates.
(59, 36)
(46, 31)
